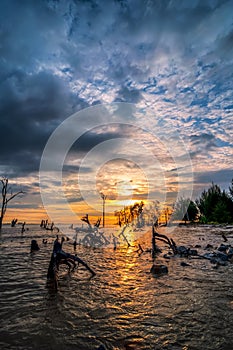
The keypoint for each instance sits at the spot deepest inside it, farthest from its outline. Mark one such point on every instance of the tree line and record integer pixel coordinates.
(213, 206)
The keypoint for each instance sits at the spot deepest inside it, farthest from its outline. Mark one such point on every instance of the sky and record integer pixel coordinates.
(149, 85)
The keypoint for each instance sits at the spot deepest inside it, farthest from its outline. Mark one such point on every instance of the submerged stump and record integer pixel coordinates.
(34, 246)
(158, 269)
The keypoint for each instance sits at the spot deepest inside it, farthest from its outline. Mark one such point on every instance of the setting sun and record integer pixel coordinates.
(125, 188)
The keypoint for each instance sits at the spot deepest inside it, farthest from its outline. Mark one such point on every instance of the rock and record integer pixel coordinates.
(184, 264)
(209, 255)
(213, 260)
(209, 246)
(223, 248)
(222, 256)
(182, 250)
(193, 252)
(159, 269)
(197, 246)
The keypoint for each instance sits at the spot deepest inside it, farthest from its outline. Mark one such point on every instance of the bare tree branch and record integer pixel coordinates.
(14, 195)
(5, 200)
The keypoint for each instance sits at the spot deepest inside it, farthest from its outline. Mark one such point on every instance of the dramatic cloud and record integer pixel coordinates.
(173, 59)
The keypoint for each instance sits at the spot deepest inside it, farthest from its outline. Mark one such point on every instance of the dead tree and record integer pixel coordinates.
(160, 237)
(7, 196)
(59, 257)
(158, 269)
(90, 227)
(86, 219)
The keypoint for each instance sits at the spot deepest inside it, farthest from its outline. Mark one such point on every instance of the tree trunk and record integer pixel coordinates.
(5, 198)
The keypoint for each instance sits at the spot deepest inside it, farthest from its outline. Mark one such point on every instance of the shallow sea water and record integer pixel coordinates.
(123, 307)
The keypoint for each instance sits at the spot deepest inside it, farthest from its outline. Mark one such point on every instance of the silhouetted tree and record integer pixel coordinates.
(130, 214)
(215, 205)
(207, 202)
(7, 196)
(221, 214)
(192, 211)
(185, 209)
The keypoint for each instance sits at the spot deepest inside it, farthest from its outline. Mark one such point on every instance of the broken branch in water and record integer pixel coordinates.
(163, 238)
(59, 257)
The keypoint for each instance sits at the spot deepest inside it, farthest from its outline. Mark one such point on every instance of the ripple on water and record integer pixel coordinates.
(123, 307)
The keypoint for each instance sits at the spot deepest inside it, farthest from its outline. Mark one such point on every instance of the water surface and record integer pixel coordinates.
(123, 306)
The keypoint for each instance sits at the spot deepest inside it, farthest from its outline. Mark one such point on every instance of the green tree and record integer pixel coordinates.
(192, 211)
(221, 214)
(185, 209)
(208, 200)
(215, 205)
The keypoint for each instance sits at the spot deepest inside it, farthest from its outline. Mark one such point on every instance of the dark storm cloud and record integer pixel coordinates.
(33, 100)
(220, 177)
(32, 106)
(96, 136)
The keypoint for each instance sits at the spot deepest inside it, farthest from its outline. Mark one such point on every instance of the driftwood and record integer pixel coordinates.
(86, 220)
(158, 269)
(164, 239)
(59, 257)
